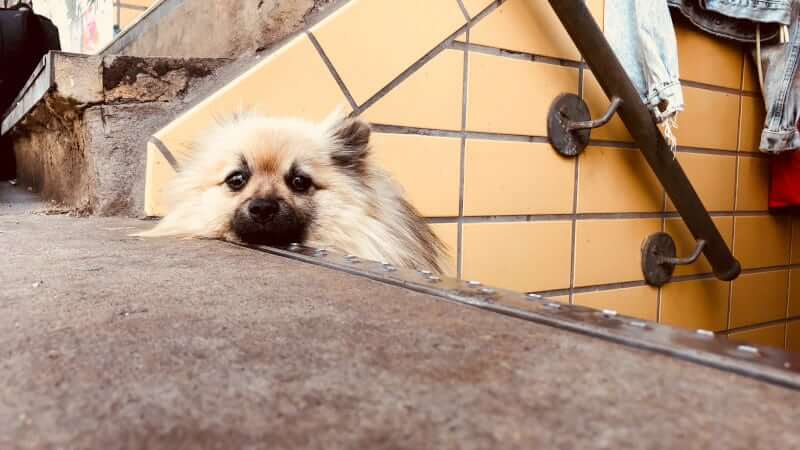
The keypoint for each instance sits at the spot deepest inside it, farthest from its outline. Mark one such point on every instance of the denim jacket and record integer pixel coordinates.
(782, 90)
(736, 19)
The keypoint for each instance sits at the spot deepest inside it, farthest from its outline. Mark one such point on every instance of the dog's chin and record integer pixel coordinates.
(278, 233)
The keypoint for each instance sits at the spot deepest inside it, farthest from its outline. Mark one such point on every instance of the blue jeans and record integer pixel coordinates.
(643, 38)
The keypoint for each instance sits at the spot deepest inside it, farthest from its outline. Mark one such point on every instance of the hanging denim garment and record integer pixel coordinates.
(782, 90)
(762, 11)
(643, 38)
(743, 20)
(736, 19)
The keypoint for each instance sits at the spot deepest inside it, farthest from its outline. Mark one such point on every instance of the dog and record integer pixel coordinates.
(275, 181)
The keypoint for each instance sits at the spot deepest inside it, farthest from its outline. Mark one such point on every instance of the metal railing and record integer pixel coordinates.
(569, 128)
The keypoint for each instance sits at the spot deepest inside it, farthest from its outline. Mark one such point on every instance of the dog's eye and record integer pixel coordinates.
(237, 180)
(300, 183)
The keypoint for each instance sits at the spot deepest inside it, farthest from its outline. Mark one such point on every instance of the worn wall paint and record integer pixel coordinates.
(85, 26)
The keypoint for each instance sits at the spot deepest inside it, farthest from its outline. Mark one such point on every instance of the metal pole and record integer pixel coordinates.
(592, 44)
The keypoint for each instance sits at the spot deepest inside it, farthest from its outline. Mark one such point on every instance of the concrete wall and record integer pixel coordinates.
(78, 146)
(177, 28)
(214, 28)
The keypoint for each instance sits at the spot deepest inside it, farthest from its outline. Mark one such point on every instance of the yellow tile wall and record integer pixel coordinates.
(752, 189)
(448, 233)
(762, 241)
(696, 304)
(460, 99)
(605, 171)
(717, 192)
(434, 85)
(400, 154)
(497, 179)
(772, 336)
(640, 302)
(721, 64)
(793, 309)
(525, 256)
(129, 11)
(512, 96)
(759, 297)
(795, 251)
(752, 121)
(793, 336)
(608, 251)
(710, 121)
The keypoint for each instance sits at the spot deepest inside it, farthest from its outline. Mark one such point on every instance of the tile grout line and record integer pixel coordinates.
(463, 9)
(711, 151)
(516, 55)
(640, 283)
(409, 71)
(660, 291)
(575, 186)
(463, 134)
(533, 57)
(664, 216)
(414, 67)
(333, 72)
(484, 135)
(741, 77)
(729, 322)
(124, 5)
(710, 87)
(462, 161)
(585, 216)
(756, 326)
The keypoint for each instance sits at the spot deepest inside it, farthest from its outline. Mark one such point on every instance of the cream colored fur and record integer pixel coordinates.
(362, 214)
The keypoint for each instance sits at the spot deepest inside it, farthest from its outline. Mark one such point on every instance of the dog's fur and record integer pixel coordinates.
(350, 204)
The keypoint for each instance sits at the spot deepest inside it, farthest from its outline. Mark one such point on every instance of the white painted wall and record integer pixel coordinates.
(85, 26)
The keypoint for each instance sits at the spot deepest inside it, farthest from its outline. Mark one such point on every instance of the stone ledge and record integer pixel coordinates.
(80, 136)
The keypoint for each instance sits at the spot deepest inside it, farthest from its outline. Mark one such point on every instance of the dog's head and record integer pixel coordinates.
(259, 180)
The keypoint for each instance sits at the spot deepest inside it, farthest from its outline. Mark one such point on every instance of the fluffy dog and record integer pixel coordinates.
(275, 181)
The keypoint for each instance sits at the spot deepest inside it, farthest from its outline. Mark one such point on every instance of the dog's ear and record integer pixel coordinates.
(351, 144)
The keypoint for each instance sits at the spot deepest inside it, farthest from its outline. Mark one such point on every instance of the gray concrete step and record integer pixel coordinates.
(81, 126)
(109, 341)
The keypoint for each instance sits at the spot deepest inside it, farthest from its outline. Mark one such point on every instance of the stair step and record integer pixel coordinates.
(81, 124)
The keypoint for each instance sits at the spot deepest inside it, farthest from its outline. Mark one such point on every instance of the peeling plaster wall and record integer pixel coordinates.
(85, 148)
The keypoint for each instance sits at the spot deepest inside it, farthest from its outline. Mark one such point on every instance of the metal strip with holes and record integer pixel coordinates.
(703, 347)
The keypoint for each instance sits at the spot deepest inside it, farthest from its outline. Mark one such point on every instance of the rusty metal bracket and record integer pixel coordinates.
(597, 123)
(659, 258)
(569, 123)
(701, 346)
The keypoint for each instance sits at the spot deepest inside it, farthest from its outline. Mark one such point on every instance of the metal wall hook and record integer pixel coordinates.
(659, 260)
(569, 123)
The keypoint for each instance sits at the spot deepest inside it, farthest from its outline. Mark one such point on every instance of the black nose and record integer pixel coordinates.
(262, 209)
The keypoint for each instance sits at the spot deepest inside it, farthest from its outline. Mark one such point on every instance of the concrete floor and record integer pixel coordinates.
(108, 341)
(15, 199)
